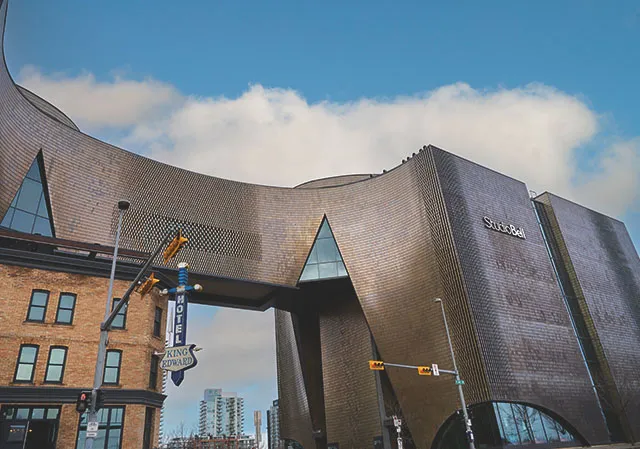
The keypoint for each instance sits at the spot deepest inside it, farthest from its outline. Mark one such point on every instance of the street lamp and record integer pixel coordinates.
(467, 421)
(123, 206)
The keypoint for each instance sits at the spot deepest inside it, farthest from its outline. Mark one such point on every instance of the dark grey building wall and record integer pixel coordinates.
(604, 269)
(528, 347)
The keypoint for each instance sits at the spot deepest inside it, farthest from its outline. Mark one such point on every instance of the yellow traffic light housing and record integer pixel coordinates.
(376, 365)
(147, 285)
(174, 246)
(424, 370)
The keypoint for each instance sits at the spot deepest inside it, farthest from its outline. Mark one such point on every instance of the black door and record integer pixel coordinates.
(41, 435)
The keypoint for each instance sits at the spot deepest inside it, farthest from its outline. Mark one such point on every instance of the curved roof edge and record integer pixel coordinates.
(47, 108)
(334, 181)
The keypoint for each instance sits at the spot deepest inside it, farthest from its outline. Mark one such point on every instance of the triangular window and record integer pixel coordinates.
(29, 210)
(324, 261)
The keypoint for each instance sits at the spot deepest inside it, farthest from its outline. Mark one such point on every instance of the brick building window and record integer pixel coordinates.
(110, 423)
(120, 320)
(66, 307)
(153, 372)
(148, 428)
(112, 367)
(38, 306)
(157, 322)
(26, 363)
(55, 364)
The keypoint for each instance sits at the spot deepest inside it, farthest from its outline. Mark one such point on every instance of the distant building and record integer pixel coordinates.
(257, 422)
(241, 442)
(221, 414)
(273, 427)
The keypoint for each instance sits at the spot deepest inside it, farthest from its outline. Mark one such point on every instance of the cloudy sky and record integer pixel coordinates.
(283, 92)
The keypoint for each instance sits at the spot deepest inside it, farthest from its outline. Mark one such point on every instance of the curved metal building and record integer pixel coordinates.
(353, 264)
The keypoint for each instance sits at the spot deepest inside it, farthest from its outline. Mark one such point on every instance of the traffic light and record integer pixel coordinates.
(376, 365)
(147, 285)
(424, 370)
(83, 402)
(174, 246)
(99, 399)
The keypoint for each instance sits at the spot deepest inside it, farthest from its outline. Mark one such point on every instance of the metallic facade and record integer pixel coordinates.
(406, 237)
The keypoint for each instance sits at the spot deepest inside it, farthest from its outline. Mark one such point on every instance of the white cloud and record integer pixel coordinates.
(275, 136)
(94, 105)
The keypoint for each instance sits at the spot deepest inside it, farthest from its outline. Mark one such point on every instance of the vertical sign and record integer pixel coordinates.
(180, 328)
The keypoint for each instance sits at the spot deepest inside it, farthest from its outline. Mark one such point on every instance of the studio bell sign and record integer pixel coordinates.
(504, 228)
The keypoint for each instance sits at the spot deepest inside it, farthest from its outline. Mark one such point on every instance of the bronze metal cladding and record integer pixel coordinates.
(604, 271)
(406, 237)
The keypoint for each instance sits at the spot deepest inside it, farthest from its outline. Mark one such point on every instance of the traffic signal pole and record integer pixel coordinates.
(467, 421)
(102, 346)
(109, 316)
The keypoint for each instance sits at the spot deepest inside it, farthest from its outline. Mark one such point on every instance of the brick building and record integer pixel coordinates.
(53, 303)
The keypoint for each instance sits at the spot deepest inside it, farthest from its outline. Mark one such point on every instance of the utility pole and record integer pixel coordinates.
(92, 419)
(467, 421)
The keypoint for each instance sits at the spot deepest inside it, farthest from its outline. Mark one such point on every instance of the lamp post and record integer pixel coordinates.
(123, 206)
(467, 421)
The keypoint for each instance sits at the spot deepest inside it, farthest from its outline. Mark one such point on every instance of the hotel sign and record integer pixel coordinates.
(504, 228)
(179, 358)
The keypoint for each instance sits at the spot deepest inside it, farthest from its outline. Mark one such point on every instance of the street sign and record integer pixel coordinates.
(459, 382)
(92, 434)
(435, 370)
(92, 426)
(424, 370)
(179, 358)
(376, 365)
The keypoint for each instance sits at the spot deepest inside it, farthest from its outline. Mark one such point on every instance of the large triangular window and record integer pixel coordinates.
(29, 211)
(324, 261)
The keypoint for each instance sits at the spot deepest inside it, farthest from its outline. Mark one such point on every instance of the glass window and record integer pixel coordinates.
(120, 320)
(55, 365)
(66, 306)
(148, 428)
(22, 221)
(28, 211)
(37, 413)
(34, 172)
(109, 429)
(6, 221)
(157, 322)
(324, 261)
(26, 363)
(23, 413)
(42, 209)
(521, 415)
(508, 428)
(42, 226)
(38, 306)
(539, 435)
(153, 372)
(112, 367)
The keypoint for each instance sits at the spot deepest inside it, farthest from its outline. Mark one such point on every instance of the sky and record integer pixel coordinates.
(286, 91)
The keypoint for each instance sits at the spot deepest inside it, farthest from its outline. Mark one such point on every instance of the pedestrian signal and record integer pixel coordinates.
(83, 402)
(175, 245)
(424, 370)
(147, 285)
(376, 365)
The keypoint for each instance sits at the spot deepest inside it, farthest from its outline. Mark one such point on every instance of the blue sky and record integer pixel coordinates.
(373, 77)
